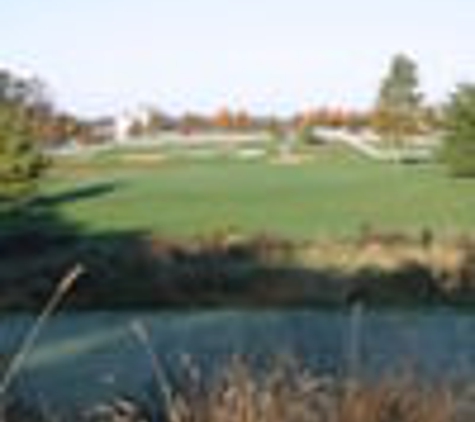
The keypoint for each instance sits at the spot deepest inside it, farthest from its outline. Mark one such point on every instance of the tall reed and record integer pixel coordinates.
(18, 359)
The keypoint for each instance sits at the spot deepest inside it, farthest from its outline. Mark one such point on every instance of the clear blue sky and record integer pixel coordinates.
(103, 56)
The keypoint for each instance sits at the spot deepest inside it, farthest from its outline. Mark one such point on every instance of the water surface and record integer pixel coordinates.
(81, 358)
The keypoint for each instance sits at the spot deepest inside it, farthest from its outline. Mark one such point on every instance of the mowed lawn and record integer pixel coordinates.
(334, 193)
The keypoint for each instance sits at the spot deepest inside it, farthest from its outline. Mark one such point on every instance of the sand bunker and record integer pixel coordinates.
(290, 159)
(144, 158)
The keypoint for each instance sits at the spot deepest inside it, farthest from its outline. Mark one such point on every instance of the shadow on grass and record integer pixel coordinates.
(81, 193)
(140, 270)
(36, 228)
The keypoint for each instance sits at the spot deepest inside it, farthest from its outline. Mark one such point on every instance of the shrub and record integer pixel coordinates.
(459, 147)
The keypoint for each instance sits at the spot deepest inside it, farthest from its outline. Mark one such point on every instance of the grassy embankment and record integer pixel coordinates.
(214, 231)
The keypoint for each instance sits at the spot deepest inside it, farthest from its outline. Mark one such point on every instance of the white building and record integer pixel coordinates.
(125, 121)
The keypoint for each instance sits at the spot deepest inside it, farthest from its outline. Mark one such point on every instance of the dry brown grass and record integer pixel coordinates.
(399, 401)
(444, 257)
(287, 394)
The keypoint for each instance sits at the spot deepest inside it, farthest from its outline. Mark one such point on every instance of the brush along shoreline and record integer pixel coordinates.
(231, 269)
(283, 392)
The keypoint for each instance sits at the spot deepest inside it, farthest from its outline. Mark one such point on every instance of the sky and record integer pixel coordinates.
(102, 57)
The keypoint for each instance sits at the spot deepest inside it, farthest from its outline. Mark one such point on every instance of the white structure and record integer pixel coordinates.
(368, 143)
(124, 122)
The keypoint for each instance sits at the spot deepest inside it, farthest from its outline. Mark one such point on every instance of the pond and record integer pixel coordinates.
(82, 358)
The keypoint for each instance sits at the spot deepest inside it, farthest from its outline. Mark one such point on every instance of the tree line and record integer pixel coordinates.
(29, 121)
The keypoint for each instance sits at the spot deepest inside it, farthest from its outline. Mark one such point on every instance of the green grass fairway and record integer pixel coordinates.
(333, 194)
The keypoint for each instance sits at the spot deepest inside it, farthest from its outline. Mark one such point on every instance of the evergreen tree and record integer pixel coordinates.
(459, 146)
(20, 160)
(397, 111)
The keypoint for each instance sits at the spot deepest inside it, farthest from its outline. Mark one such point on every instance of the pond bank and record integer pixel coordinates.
(230, 270)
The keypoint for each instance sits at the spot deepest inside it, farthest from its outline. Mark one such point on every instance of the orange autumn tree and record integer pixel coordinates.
(223, 119)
